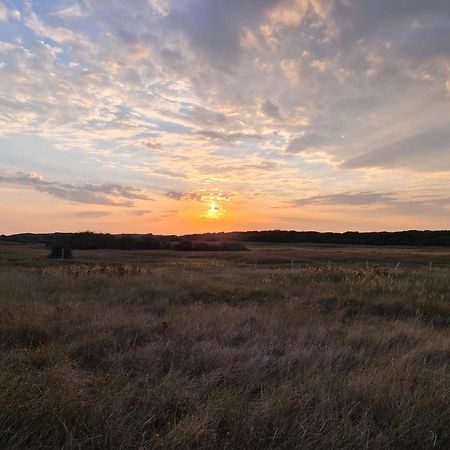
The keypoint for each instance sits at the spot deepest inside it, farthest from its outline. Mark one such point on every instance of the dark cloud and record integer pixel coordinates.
(152, 145)
(270, 109)
(174, 195)
(96, 194)
(114, 190)
(200, 195)
(214, 27)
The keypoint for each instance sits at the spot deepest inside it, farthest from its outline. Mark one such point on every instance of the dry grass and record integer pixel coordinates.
(205, 354)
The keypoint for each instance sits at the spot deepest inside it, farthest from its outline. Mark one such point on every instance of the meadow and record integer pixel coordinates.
(282, 347)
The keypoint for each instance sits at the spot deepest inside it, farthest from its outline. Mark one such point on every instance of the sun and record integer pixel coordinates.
(212, 203)
(214, 211)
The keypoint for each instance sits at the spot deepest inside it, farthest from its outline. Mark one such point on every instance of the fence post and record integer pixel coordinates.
(62, 254)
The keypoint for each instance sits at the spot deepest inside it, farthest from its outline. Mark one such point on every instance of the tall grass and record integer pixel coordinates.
(208, 356)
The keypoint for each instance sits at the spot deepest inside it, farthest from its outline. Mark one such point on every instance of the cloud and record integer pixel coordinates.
(221, 168)
(152, 145)
(73, 11)
(270, 109)
(58, 34)
(387, 203)
(162, 6)
(214, 27)
(169, 173)
(291, 13)
(175, 195)
(308, 143)
(6, 13)
(429, 149)
(96, 194)
(141, 212)
(92, 214)
(228, 137)
(431, 207)
(206, 117)
(201, 195)
(347, 198)
(291, 70)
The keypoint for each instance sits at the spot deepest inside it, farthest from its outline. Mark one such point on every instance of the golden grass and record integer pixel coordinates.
(206, 354)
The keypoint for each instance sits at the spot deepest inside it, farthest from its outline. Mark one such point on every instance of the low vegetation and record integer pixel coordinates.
(184, 352)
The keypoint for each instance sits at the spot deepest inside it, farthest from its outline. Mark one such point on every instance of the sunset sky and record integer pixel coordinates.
(180, 116)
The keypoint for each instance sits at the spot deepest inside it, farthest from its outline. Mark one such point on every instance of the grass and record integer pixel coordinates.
(202, 353)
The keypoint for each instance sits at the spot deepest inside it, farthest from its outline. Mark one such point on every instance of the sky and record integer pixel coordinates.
(182, 116)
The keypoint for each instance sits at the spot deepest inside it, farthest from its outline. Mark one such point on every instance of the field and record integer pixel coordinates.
(281, 347)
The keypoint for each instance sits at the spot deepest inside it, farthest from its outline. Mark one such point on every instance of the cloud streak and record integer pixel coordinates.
(228, 137)
(95, 194)
(347, 198)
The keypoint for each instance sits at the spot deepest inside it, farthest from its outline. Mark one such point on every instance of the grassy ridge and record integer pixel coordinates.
(201, 353)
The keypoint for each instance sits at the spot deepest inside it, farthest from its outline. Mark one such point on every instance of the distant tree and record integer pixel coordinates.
(204, 246)
(60, 251)
(184, 246)
(89, 240)
(231, 247)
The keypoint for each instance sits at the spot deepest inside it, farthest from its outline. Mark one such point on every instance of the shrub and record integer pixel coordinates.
(184, 246)
(204, 247)
(60, 251)
(231, 247)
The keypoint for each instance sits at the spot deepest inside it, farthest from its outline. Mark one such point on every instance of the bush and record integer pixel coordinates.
(184, 246)
(204, 247)
(231, 247)
(60, 251)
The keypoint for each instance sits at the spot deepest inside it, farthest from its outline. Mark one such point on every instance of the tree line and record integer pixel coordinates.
(408, 238)
(89, 240)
